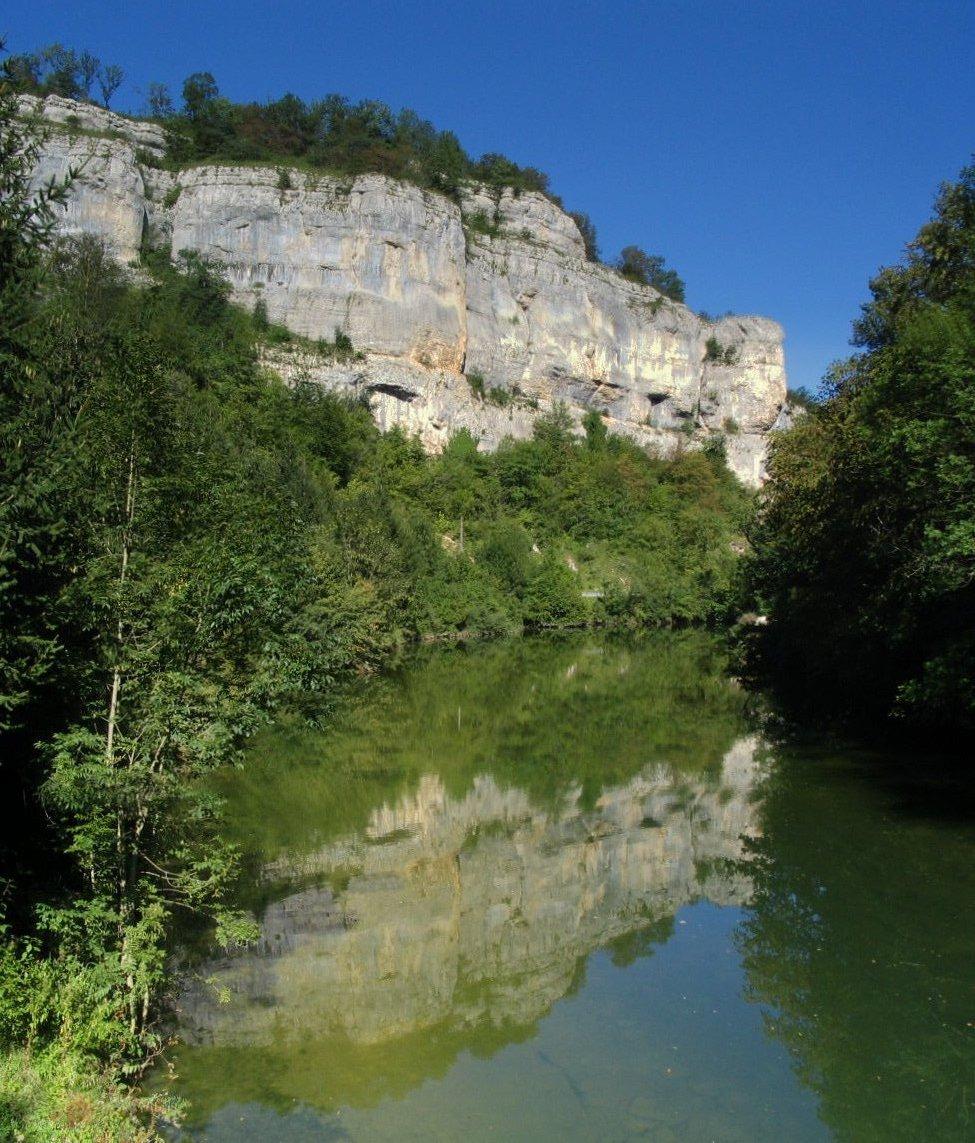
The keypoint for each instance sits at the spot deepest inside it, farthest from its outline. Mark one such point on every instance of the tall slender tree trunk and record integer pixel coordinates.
(126, 545)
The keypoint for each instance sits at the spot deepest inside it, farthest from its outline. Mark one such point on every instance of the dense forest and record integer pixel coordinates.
(189, 547)
(864, 551)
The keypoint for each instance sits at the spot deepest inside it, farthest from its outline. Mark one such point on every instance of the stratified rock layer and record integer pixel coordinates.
(429, 290)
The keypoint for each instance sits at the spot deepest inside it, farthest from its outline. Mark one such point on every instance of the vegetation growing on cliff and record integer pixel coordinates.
(189, 546)
(650, 270)
(57, 70)
(865, 553)
(328, 134)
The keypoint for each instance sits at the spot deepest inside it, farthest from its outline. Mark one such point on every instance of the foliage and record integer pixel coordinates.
(57, 70)
(801, 398)
(650, 270)
(865, 556)
(587, 229)
(718, 353)
(476, 382)
(190, 546)
(479, 223)
(56, 1097)
(331, 134)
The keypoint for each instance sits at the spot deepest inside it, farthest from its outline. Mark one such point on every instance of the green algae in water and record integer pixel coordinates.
(563, 889)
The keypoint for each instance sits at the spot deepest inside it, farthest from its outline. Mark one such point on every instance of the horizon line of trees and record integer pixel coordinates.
(331, 133)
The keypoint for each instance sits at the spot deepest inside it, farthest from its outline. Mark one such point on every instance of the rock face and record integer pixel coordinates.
(380, 260)
(430, 290)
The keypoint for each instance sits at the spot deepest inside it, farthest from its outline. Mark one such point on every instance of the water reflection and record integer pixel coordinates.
(860, 940)
(460, 912)
(560, 890)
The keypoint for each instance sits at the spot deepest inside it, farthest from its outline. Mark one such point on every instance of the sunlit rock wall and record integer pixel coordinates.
(497, 286)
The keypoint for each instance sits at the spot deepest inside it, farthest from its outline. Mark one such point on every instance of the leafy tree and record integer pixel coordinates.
(109, 78)
(28, 517)
(199, 93)
(864, 554)
(159, 101)
(595, 426)
(650, 270)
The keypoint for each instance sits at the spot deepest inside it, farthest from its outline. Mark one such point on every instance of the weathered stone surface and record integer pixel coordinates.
(78, 117)
(432, 404)
(380, 260)
(108, 197)
(429, 291)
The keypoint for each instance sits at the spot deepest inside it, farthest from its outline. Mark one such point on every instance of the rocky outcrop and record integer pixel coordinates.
(431, 290)
(381, 260)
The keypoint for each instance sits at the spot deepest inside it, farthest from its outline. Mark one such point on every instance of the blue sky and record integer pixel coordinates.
(776, 153)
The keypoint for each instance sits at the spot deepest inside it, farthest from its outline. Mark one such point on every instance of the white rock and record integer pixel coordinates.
(418, 285)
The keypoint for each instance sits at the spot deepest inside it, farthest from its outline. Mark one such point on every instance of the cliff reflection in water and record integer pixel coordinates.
(459, 912)
(434, 875)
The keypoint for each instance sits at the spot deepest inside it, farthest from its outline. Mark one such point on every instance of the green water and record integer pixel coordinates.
(566, 889)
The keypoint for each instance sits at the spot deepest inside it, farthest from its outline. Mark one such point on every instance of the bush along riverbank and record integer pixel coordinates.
(190, 546)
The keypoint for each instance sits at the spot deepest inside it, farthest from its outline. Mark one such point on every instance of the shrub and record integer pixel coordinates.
(284, 179)
(718, 353)
(476, 382)
(500, 396)
(587, 230)
(650, 270)
(146, 158)
(715, 448)
(479, 223)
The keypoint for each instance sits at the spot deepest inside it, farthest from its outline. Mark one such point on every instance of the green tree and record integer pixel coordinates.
(650, 270)
(29, 516)
(865, 555)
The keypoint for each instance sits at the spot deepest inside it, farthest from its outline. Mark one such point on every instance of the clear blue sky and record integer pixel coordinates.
(776, 153)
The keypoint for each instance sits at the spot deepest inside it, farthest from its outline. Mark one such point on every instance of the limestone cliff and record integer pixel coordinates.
(430, 290)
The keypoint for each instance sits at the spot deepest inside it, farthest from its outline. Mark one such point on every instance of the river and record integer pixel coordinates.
(570, 889)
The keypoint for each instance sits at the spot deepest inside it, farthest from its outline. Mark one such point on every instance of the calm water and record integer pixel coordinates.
(566, 890)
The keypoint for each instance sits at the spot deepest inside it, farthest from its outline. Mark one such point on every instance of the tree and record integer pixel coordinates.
(865, 553)
(62, 68)
(650, 270)
(595, 427)
(109, 81)
(159, 101)
(88, 68)
(199, 92)
(587, 230)
(29, 518)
